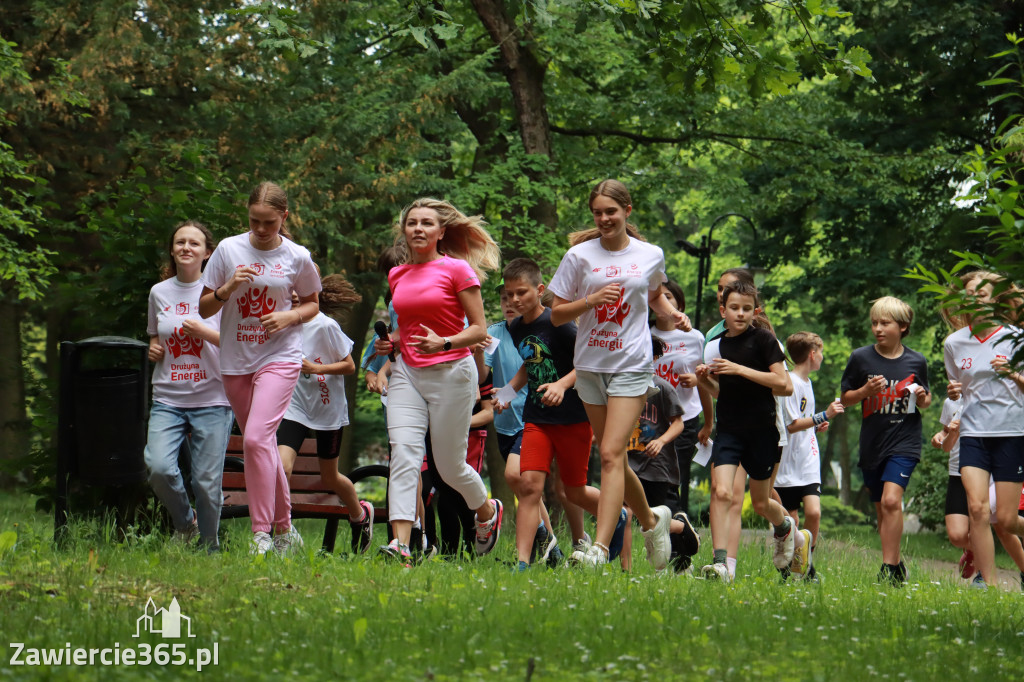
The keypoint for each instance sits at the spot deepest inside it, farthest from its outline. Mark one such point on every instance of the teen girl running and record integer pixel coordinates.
(609, 279)
(188, 396)
(434, 379)
(250, 279)
(992, 420)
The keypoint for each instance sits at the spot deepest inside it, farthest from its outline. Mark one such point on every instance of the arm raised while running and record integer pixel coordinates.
(776, 378)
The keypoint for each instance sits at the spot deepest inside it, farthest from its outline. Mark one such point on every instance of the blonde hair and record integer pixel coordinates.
(617, 192)
(465, 237)
(270, 194)
(1011, 296)
(892, 308)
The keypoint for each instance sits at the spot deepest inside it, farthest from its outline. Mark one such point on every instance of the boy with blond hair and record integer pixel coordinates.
(890, 381)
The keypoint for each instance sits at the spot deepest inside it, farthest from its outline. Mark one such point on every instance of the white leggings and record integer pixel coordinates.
(440, 396)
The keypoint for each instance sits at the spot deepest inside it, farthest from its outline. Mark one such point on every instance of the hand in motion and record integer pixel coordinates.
(954, 390)
(653, 448)
(279, 321)
(835, 407)
(191, 328)
(687, 380)
(607, 294)
(552, 394)
(427, 343)
(704, 435)
(875, 384)
(238, 278)
(156, 350)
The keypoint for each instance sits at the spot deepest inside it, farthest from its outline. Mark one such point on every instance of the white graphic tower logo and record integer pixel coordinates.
(165, 622)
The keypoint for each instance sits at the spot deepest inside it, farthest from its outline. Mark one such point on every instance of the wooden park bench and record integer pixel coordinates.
(310, 498)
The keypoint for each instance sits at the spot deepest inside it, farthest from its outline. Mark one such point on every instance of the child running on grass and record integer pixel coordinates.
(556, 423)
(743, 378)
(799, 477)
(891, 383)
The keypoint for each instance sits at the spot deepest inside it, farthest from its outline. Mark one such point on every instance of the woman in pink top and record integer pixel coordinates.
(250, 279)
(434, 380)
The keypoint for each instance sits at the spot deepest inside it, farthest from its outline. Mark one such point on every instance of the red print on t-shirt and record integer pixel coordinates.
(179, 343)
(181, 309)
(668, 373)
(258, 267)
(893, 399)
(614, 312)
(255, 303)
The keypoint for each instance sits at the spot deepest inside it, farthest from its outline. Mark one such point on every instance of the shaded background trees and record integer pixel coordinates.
(837, 129)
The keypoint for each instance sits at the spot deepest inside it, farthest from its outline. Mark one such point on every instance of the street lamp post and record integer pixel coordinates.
(708, 246)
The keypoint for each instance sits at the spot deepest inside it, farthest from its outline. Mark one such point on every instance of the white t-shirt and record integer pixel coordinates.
(801, 459)
(189, 373)
(244, 343)
(683, 352)
(612, 338)
(318, 401)
(951, 412)
(992, 405)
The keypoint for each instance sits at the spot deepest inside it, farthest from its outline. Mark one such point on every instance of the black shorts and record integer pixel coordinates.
(756, 449)
(793, 496)
(510, 445)
(291, 434)
(956, 497)
(1003, 457)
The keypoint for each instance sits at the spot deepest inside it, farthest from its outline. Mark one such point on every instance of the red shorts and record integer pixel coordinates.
(569, 443)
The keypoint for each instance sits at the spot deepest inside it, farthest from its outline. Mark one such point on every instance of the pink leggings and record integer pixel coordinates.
(259, 401)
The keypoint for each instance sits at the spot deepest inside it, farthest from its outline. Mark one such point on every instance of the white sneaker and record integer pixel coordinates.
(783, 552)
(261, 543)
(657, 541)
(594, 558)
(802, 557)
(716, 572)
(288, 543)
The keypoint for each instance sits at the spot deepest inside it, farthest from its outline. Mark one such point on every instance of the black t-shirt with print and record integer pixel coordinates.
(744, 405)
(547, 352)
(888, 427)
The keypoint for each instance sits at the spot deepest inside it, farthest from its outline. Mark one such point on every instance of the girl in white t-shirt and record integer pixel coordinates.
(319, 403)
(188, 397)
(609, 279)
(992, 417)
(250, 280)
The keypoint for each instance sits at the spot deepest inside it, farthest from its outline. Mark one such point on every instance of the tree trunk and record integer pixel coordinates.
(14, 432)
(525, 75)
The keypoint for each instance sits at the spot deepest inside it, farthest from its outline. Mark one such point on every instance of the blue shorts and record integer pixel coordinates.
(510, 445)
(756, 449)
(1002, 456)
(896, 470)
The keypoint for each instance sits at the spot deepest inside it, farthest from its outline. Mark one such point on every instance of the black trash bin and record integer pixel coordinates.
(102, 417)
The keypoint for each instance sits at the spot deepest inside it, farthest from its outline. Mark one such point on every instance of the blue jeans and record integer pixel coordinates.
(210, 428)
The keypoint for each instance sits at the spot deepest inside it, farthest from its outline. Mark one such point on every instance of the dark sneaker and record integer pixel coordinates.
(615, 546)
(978, 583)
(812, 575)
(555, 557)
(396, 551)
(540, 542)
(362, 531)
(689, 540)
(487, 532)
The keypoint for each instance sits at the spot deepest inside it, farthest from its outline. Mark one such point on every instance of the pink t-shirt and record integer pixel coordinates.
(245, 345)
(428, 294)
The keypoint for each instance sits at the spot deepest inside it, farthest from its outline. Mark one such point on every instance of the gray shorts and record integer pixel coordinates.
(594, 388)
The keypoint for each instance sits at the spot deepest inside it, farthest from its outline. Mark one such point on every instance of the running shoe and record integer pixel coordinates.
(487, 532)
(555, 557)
(396, 551)
(802, 557)
(594, 558)
(362, 531)
(783, 551)
(689, 538)
(967, 564)
(656, 540)
(261, 543)
(615, 546)
(716, 572)
(187, 535)
(288, 542)
(540, 541)
(978, 583)
(550, 546)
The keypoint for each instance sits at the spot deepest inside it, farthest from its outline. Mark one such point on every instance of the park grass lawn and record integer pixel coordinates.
(356, 618)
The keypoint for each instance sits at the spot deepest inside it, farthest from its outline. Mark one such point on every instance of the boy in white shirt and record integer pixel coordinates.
(799, 477)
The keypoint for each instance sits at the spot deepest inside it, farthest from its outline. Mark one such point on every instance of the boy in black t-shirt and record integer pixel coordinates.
(556, 424)
(744, 376)
(891, 383)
